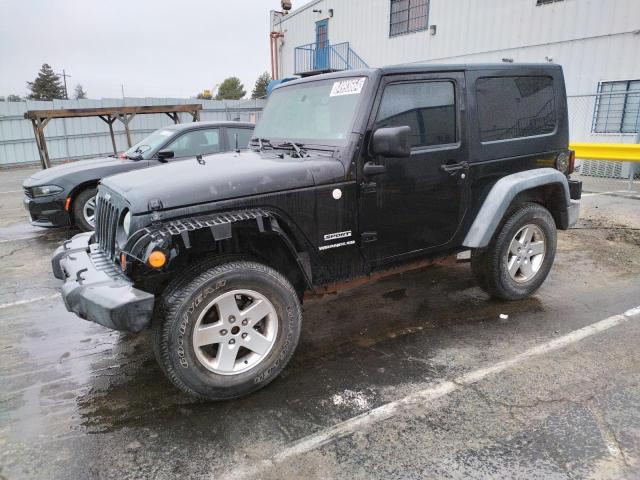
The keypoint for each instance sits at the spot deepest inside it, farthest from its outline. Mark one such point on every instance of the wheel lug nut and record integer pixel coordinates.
(232, 319)
(244, 335)
(245, 321)
(232, 341)
(223, 332)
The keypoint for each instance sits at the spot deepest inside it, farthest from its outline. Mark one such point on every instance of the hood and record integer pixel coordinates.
(94, 168)
(222, 177)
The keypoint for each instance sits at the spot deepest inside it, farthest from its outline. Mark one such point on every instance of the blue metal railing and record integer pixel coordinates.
(315, 57)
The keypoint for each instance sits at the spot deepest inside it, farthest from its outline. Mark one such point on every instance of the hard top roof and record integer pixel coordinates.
(428, 68)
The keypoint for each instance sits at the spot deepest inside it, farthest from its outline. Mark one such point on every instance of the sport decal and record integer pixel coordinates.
(334, 236)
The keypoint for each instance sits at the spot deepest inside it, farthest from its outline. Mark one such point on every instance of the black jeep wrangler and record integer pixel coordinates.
(349, 175)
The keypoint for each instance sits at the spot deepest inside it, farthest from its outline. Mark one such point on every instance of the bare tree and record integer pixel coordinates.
(79, 93)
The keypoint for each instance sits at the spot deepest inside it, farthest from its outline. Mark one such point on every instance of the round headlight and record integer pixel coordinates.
(562, 162)
(126, 223)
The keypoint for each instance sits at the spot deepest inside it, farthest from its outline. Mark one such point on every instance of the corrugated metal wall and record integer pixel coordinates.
(487, 30)
(76, 138)
(594, 40)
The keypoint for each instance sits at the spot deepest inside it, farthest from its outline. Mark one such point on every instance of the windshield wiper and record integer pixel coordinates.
(261, 143)
(298, 147)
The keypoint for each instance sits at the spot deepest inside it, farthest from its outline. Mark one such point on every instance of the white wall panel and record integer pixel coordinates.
(592, 39)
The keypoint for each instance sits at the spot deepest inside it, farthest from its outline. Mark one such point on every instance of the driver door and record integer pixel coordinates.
(419, 202)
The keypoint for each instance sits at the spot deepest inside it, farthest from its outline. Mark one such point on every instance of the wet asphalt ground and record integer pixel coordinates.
(416, 376)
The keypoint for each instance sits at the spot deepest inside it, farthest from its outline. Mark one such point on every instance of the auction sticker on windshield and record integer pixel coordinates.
(351, 86)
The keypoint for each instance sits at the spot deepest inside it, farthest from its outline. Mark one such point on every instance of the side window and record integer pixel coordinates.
(427, 107)
(198, 142)
(515, 107)
(244, 137)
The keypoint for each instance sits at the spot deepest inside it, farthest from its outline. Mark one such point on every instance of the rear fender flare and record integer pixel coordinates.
(501, 196)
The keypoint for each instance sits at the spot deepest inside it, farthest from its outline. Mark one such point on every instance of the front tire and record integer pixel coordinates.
(520, 255)
(227, 331)
(84, 209)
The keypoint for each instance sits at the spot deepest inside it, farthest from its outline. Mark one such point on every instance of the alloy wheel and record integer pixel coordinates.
(89, 211)
(526, 253)
(235, 332)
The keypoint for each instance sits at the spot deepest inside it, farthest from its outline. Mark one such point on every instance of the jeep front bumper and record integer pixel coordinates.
(95, 290)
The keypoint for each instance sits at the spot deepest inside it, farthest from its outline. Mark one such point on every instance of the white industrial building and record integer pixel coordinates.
(596, 41)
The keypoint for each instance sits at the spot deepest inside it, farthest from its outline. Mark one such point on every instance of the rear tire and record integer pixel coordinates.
(84, 209)
(227, 331)
(520, 255)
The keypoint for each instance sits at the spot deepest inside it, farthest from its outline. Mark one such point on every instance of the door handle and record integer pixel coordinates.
(370, 169)
(454, 167)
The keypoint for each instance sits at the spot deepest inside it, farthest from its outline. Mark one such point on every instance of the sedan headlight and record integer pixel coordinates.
(126, 223)
(45, 190)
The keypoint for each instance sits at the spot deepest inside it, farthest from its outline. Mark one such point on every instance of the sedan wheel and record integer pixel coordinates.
(84, 209)
(89, 211)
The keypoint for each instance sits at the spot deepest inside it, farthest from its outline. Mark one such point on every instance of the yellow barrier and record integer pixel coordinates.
(627, 152)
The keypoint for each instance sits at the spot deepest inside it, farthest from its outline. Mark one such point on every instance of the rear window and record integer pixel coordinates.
(244, 137)
(515, 107)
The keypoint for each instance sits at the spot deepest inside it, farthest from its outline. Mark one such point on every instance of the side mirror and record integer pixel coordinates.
(165, 154)
(392, 142)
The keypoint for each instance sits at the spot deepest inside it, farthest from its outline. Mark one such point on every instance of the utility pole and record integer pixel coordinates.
(64, 76)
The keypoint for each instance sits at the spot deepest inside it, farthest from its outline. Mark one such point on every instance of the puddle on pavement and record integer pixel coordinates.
(24, 230)
(121, 385)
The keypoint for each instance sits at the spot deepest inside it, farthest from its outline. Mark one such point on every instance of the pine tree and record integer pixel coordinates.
(46, 86)
(231, 89)
(260, 88)
(79, 93)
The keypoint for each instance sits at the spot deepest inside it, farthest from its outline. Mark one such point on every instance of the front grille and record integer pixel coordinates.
(28, 192)
(104, 264)
(107, 215)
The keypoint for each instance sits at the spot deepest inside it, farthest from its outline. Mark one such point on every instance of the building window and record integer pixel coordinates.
(515, 107)
(408, 16)
(427, 107)
(617, 107)
(545, 2)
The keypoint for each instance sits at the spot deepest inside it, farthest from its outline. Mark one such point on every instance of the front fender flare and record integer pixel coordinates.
(163, 234)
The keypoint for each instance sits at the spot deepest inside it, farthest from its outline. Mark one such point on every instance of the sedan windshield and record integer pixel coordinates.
(145, 148)
(314, 112)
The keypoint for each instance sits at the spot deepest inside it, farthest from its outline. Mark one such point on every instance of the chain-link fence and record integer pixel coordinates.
(612, 116)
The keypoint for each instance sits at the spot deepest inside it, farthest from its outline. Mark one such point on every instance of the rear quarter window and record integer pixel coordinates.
(515, 107)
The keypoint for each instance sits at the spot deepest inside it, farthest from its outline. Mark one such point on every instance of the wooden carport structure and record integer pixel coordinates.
(40, 119)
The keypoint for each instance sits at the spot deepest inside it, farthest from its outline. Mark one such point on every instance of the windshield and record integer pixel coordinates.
(321, 111)
(146, 147)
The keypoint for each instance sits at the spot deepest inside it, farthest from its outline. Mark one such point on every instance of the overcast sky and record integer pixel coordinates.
(156, 48)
